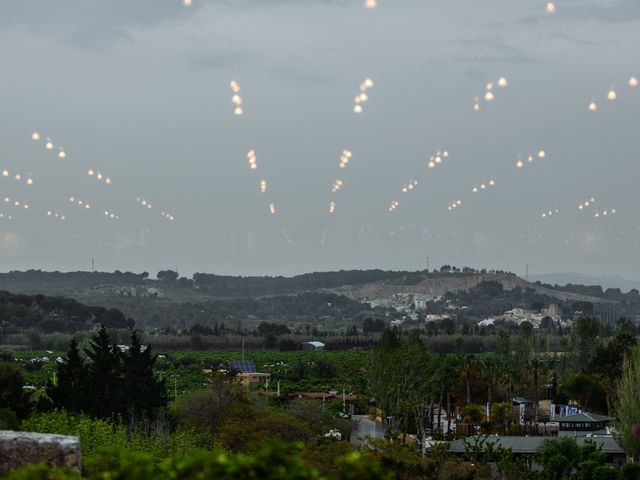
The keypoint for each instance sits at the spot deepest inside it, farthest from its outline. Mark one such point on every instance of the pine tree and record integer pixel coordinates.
(104, 377)
(144, 392)
(69, 390)
(12, 395)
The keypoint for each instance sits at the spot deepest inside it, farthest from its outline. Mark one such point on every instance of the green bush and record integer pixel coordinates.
(8, 419)
(96, 435)
(40, 472)
(273, 462)
(630, 471)
(605, 473)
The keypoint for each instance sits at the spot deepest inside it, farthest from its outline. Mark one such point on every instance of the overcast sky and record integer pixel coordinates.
(139, 89)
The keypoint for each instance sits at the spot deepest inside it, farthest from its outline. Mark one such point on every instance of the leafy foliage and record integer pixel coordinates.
(56, 314)
(273, 462)
(109, 382)
(12, 395)
(628, 406)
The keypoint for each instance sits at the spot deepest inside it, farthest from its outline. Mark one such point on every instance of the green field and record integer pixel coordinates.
(189, 371)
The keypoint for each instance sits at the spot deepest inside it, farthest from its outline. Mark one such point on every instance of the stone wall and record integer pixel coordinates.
(21, 448)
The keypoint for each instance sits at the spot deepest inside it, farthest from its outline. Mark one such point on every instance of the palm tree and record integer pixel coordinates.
(489, 369)
(466, 366)
(533, 367)
(502, 413)
(447, 379)
(507, 378)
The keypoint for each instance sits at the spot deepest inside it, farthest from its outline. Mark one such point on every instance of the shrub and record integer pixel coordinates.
(273, 462)
(97, 435)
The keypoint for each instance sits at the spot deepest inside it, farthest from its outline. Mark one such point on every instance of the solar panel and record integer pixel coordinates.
(243, 366)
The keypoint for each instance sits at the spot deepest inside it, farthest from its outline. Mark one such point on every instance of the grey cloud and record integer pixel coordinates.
(96, 24)
(90, 24)
(298, 76)
(495, 51)
(218, 60)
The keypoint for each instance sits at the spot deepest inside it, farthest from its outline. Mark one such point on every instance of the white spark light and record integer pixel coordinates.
(362, 97)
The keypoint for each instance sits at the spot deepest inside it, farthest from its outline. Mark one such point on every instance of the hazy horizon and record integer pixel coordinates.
(140, 91)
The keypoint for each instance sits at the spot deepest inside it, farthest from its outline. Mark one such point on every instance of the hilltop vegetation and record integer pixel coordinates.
(55, 314)
(333, 301)
(220, 286)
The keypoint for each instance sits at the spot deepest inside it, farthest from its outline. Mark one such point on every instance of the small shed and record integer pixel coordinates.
(312, 346)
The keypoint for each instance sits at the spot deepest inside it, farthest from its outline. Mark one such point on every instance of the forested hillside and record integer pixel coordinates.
(55, 314)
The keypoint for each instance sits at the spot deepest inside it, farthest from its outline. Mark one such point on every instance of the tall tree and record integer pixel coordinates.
(628, 406)
(12, 395)
(607, 364)
(490, 369)
(144, 392)
(584, 342)
(467, 366)
(104, 377)
(534, 367)
(69, 389)
(390, 377)
(447, 379)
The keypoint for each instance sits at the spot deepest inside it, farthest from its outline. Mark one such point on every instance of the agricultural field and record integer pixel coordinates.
(186, 372)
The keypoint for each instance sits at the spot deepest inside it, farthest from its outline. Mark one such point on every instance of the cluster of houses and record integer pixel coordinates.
(521, 315)
(583, 426)
(407, 303)
(561, 420)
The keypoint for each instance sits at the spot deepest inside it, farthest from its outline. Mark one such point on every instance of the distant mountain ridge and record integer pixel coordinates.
(574, 278)
(438, 285)
(154, 301)
(356, 284)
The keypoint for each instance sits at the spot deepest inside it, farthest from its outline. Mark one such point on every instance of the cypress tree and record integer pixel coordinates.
(144, 392)
(69, 390)
(12, 395)
(104, 377)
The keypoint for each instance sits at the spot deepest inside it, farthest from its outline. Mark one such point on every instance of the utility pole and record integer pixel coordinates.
(428, 262)
(93, 264)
